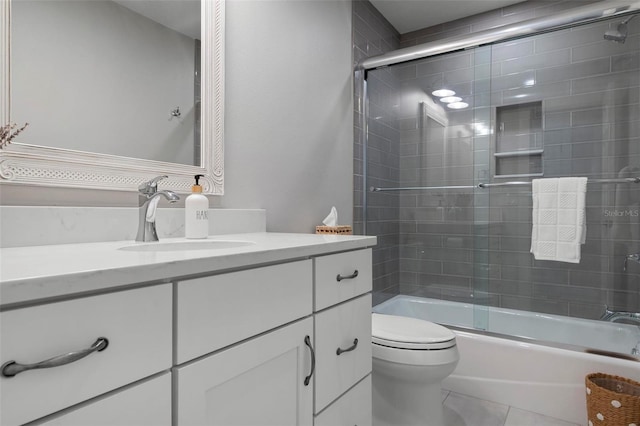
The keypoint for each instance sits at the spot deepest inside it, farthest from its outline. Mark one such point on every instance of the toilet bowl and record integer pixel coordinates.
(411, 357)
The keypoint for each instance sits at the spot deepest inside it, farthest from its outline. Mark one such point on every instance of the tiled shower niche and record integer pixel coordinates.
(519, 140)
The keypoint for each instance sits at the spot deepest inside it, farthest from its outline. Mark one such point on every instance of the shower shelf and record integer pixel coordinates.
(516, 176)
(518, 153)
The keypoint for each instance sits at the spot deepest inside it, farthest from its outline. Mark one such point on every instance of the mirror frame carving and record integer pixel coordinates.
(48, 166)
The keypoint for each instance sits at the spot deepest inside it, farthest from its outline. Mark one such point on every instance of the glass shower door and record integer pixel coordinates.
(484, 223)
(566, 104)
(559, 104)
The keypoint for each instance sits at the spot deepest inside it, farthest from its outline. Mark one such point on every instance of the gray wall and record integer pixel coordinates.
(288, 121)
(289, 111)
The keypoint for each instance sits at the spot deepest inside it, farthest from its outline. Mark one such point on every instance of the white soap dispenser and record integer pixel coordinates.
(196, 208)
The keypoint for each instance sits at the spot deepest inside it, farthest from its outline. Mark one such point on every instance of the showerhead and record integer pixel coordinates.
(619, 35)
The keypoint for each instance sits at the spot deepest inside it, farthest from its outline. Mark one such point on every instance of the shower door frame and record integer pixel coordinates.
(572, 18)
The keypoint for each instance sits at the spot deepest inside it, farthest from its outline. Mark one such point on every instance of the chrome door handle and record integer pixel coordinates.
(349, 349)
(347, 277)
(11, 368)
(307, 341)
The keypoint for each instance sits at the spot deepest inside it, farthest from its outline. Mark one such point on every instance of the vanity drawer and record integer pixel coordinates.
(135, 322)
(145, 404)
(335, 280)
(353, 408)
(335, 330)
(217, 311)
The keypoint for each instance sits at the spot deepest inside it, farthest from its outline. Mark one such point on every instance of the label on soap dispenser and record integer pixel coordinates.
(196, 223)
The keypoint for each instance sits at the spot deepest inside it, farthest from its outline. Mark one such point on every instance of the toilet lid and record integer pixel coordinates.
(409, 333)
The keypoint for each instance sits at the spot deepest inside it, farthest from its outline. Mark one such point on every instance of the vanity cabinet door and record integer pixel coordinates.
(259, 382)
(145, 404)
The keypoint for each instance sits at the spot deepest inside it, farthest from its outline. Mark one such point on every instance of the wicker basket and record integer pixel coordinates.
(340, 229)
(612, 400)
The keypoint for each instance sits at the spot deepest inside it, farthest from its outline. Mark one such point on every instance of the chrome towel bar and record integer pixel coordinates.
(493, 185)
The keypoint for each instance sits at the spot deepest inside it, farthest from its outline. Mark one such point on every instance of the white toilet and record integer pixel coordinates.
(411, 357)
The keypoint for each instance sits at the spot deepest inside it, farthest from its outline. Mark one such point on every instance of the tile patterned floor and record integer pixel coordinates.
(462, 410)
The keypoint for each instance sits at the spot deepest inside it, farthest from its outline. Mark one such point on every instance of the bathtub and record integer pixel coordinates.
(534, 362)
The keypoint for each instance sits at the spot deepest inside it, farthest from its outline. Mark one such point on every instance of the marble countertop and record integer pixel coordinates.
(35, 273)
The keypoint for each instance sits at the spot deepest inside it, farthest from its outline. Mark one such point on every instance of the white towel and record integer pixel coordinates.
(559, 225)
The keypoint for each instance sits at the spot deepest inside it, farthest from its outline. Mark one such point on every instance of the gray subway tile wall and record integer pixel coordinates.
(374, 35)
(589, 90)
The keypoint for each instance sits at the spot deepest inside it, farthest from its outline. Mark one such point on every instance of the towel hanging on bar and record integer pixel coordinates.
(558, 217)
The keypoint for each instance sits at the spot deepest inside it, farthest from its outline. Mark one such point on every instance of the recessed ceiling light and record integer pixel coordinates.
(449, 99)
(457, 105)
(443, 92)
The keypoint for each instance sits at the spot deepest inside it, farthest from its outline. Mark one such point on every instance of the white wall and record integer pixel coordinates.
(288, 117)
(95, 76)
(289, 111)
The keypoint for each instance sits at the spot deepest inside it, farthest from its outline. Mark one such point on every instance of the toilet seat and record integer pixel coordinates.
(409, 333)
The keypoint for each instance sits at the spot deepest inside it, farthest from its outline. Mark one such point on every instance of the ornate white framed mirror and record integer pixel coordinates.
(77, 136)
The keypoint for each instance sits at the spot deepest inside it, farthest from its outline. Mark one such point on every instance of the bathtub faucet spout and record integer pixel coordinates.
(620, 316)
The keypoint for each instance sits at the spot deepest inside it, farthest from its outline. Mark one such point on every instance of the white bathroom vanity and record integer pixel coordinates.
(259, 328)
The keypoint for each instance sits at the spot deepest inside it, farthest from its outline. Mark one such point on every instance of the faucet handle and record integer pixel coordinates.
(151, 187)
(635, 257)
(607, 313)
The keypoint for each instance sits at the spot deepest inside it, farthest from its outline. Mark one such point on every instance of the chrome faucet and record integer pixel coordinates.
(148, 198)
(634, 257)
(620, 316)
(624, 317)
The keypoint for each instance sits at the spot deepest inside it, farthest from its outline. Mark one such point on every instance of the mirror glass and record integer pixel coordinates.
(115, 77)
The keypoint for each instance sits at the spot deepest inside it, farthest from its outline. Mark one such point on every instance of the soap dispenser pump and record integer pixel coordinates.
(196, 220)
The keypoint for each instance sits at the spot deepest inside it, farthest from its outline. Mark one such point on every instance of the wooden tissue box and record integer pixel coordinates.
(340, 229)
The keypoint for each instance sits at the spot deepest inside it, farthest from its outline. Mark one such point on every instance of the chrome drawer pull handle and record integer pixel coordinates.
(347, 277)
(307, 341)
(11, 368)
(349, 349)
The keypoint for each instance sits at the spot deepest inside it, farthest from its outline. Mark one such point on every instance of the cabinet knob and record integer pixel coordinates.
(11, 368)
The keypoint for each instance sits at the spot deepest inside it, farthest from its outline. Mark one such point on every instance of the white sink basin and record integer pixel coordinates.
(186, 245)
